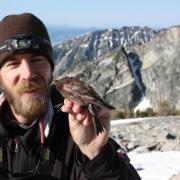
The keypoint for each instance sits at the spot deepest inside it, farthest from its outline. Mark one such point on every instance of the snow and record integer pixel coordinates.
(143, 105)
(69, 52)
(111, 43)
(120, 86)
(156, 165)
(126, 121)
(84, 45)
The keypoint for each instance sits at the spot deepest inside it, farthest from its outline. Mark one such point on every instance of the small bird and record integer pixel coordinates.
(83, 94)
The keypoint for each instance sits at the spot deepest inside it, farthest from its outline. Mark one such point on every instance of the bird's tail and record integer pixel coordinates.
(96, 122)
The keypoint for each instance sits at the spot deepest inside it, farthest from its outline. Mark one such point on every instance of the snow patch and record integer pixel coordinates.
(143, 105)
(156, 165)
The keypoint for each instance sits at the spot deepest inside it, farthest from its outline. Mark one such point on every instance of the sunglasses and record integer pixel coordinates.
(23, 42)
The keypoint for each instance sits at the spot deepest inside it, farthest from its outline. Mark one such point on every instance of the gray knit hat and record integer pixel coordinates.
(23, 26)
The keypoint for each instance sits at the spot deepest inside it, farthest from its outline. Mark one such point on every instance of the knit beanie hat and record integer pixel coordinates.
(25, 24)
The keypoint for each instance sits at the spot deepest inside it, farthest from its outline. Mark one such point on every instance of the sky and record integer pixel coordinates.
(98, 13)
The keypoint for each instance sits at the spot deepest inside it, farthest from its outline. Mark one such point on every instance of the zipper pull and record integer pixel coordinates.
(16, 145)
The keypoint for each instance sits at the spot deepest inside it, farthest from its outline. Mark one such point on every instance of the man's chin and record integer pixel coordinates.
(33, 108)
(33, 98)
(31, 101)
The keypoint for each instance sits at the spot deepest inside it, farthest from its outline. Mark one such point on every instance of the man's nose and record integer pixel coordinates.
(27, 71)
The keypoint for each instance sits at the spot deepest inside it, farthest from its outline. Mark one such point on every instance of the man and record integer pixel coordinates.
(37, 141)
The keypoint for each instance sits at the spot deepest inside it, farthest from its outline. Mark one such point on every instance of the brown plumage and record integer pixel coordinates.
(81, 93)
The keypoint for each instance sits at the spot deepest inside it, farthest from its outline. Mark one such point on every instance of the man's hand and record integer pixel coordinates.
(82, 129)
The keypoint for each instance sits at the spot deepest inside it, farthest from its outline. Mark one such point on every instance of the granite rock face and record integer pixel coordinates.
(161, 67)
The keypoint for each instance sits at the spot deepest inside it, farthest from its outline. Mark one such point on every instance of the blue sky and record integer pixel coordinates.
(98, 13)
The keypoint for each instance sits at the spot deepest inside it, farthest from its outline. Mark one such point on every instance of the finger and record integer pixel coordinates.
(68, 103)
(88, 120)
(77, 108)
(84, 117)
(67, 106)
(80, 117)
(66, 109)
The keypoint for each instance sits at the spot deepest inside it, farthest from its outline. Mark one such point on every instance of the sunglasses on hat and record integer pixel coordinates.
(23, 42)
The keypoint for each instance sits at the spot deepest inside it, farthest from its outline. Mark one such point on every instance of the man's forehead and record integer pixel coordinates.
(24, 56)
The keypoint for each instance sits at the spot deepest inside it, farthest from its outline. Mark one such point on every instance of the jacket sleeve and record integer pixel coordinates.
(109, 165)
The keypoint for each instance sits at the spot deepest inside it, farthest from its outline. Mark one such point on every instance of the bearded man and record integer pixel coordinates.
(37, 141)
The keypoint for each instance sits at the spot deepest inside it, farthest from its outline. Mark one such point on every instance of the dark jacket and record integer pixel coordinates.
(23, 157)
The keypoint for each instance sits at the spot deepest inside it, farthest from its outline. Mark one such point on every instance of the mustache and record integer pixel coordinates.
(26, 85)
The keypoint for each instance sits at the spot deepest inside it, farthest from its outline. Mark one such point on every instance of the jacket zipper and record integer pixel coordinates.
(16, 140)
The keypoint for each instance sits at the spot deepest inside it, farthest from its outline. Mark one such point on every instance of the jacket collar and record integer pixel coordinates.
(47, 119)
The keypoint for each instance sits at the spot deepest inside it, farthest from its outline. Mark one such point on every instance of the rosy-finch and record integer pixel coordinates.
(81, 93)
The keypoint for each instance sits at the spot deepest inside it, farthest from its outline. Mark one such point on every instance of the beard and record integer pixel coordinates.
(29, 107)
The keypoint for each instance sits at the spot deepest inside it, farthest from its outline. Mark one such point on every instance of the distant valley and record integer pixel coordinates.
(61, 34)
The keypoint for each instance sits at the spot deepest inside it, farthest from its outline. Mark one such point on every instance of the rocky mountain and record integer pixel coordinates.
(160, 70)
(124, 76)
(94, 45)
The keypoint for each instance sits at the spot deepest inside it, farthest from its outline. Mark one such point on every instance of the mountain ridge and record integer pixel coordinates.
(94, 45)
(158, 70)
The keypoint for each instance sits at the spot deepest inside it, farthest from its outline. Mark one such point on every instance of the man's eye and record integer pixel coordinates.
(38, 60)
(12, 63)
